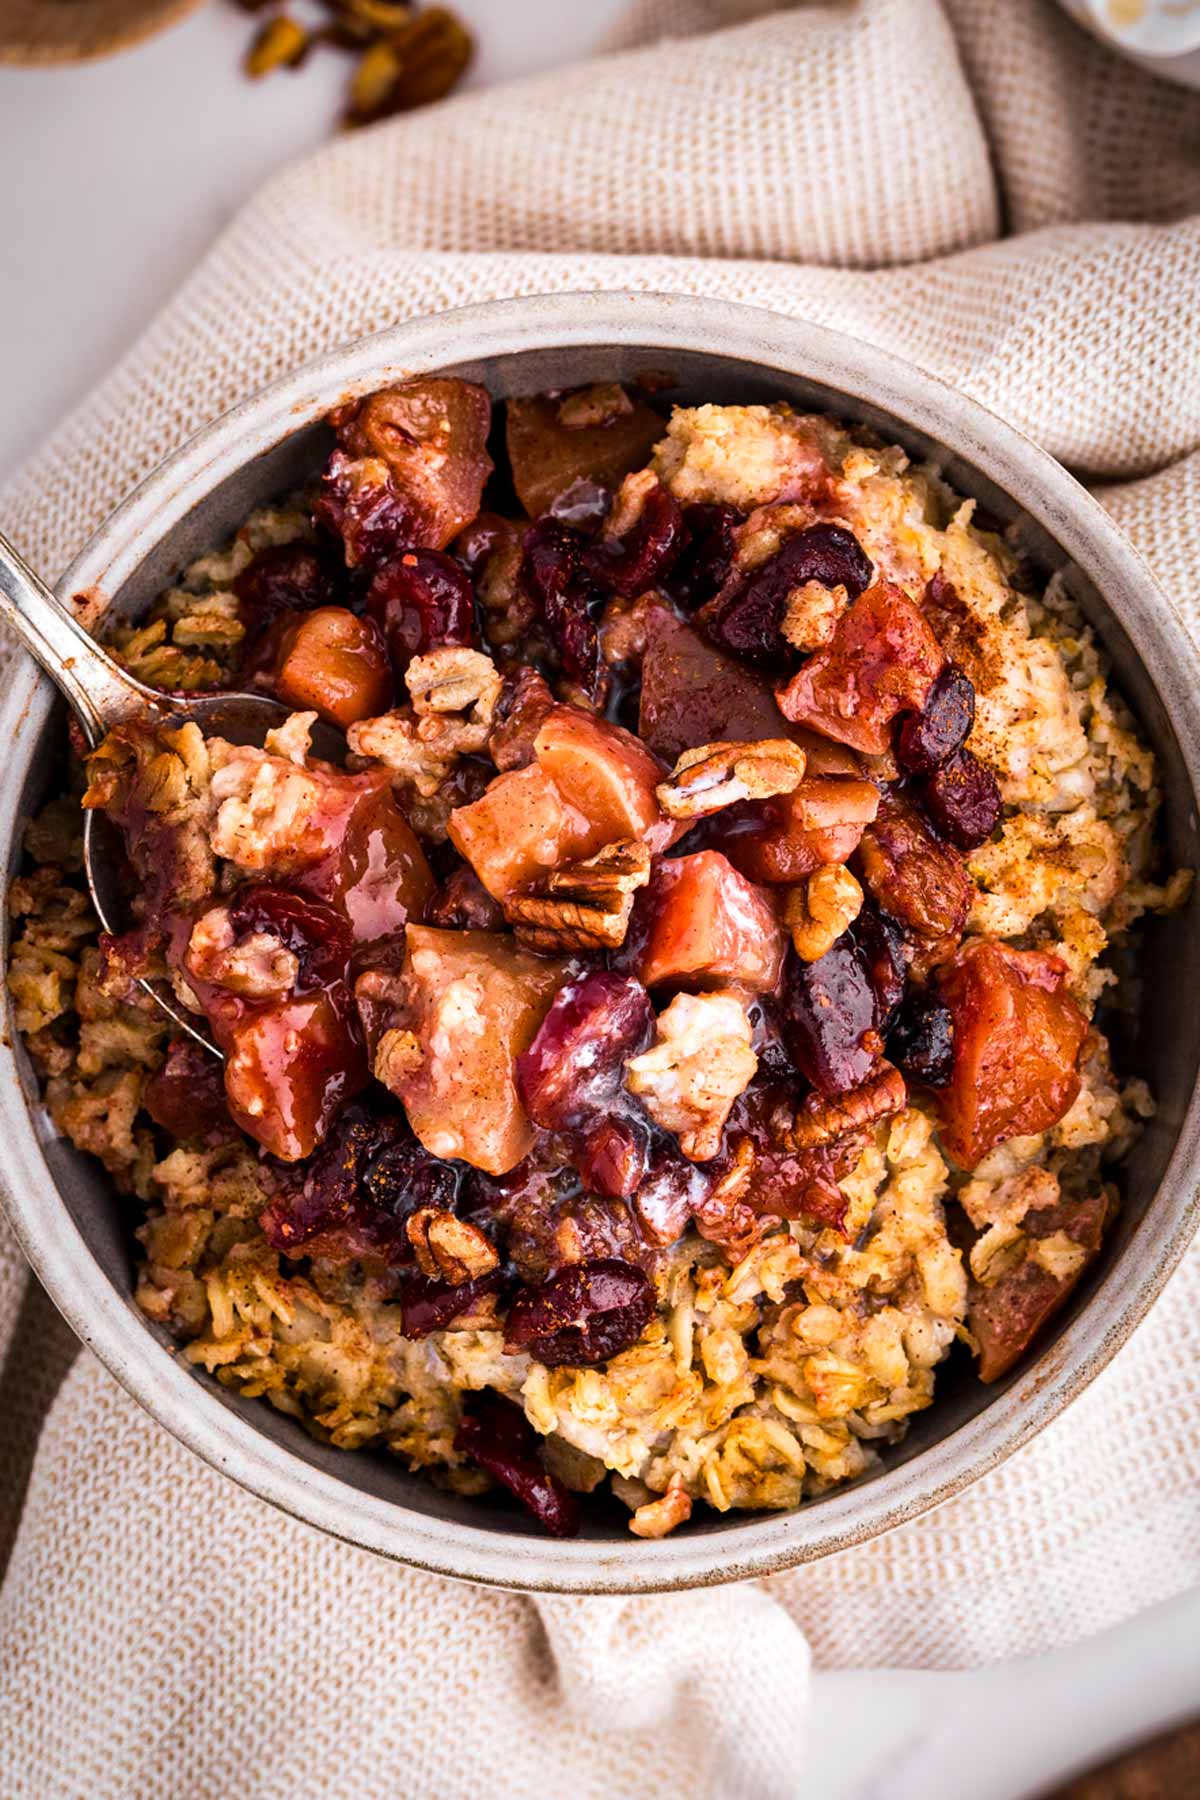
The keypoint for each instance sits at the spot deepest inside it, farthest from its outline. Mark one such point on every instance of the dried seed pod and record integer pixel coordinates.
(377, 15)
(415, 65)
(280, 44)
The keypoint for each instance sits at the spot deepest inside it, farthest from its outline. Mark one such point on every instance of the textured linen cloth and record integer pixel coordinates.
(983, 190)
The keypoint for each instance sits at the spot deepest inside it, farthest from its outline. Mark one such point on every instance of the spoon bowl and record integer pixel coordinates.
(102, 695)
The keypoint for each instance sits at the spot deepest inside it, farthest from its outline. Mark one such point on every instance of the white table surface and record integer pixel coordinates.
(97, 232)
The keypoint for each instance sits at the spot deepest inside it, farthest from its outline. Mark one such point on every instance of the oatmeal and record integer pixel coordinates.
(674, 1030)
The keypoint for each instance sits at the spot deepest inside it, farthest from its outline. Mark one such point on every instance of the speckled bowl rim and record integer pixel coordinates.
(229, 1440)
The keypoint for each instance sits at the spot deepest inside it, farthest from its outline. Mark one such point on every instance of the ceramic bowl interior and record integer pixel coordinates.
(716, 353)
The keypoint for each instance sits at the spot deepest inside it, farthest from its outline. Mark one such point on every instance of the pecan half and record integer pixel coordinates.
(715, 775)
(584, 905)
(819, 1121)
(820, 909)
(447, 1248)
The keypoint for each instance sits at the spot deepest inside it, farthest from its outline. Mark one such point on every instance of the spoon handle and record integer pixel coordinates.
(98, 689)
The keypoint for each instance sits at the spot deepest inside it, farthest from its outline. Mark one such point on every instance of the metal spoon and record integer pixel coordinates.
(102, 694)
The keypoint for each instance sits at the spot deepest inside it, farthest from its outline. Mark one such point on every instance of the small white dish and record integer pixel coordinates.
(1162, 36)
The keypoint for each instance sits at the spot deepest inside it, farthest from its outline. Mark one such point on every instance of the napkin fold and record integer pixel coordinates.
(983, 190)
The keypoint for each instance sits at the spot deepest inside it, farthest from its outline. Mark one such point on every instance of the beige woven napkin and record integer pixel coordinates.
(984, 190)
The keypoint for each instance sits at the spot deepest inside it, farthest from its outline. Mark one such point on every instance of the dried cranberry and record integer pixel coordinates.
(630, 565)
(612, 1155)
(921, 1042)
(803, 1184)
(774, 1063)
(496, 1434)
(583, 1315)
(928, 737)
(464, 904)
(673, 1192)
(574, 1066)
(187, 1095)
(422, 599)
(283, 578)
(962, 801)
(427, 1305)
(319, 937)
(747, 615)
(706, 556)
(829, 1017)
(584, 504)
(553, 573)
(353, 1196)
(882, 944)
(373, 520)
(401, 1176)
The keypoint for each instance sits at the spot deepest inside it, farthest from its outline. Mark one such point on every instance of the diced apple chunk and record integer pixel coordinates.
(519, 829)
(603, 771)
(882, 660)
(711, 927)
(822, 821)
(591, 784)
(473, 1001)
(329, 661)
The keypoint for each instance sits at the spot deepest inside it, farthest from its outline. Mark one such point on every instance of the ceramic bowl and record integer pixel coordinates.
(77, 1237)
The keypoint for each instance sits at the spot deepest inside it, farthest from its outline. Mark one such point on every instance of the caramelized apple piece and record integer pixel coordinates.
(429, 438)
(473, 1002)
(1017, 1039)
(520, 828)
(822, 821)
(377, 875)
(605, 773)
(914, 876)
(711, 927)
(1005, 1318)
(692, 694)
(293, 1053)
(288, 1068)
(549, 457)
(328, 661)
(883, 660)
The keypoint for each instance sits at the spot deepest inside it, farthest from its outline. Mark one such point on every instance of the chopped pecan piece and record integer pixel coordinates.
(658, 1517)
(690, 1077)
(520, 713)
(454, 679)
(914, 876)
(715, 775)
(724, 1215)
(397, 1057)
(584, 905)
(821, 908)
(447, 1248)
(454, 693)
(811, 615)
(256, 966)
(599, 404)
(821, 1121)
